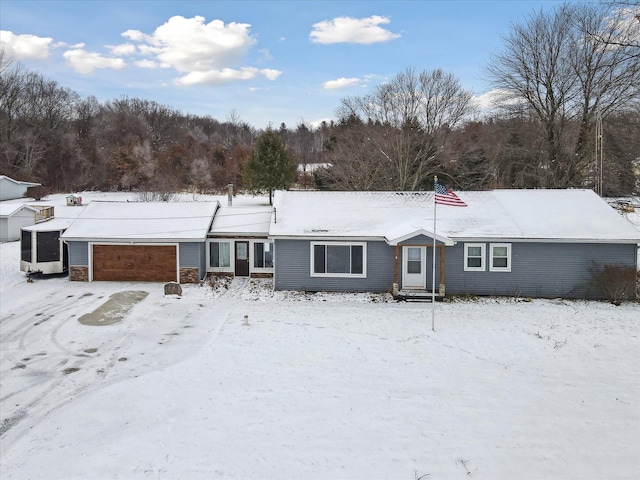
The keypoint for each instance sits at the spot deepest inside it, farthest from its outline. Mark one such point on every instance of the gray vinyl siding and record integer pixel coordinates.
(537, 270)
(79, 254)
(192, 254)
(293, 269)
(419, 240)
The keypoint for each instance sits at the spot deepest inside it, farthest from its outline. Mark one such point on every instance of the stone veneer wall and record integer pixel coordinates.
(78, 274)
(189, 275)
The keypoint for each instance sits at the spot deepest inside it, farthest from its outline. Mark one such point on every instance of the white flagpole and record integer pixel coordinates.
(433, 281)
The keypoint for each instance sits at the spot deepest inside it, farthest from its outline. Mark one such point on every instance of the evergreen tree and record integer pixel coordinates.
(270, 166)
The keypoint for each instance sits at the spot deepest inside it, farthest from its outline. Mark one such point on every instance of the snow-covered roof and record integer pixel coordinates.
(19, 182)
(50, 225)
(9, 209)
(242, 221)
(142, 221)
(541, 215)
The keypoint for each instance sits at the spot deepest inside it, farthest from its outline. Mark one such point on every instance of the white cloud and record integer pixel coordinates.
(270, 73)
(25, 47)
(489, 102)
(86, 62)
(136, 36)
(72, 46)
(340, 83)
(147, 64)
(224, 75)
(189, 44)
(318, 123)
(265, 55)
(352, 30)
(123, 49)
(207, 53)
(626, 23)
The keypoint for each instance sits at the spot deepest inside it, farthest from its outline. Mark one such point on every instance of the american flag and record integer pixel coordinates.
(446, 196)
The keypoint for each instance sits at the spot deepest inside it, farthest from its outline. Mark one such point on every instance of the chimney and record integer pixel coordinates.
(230, 194)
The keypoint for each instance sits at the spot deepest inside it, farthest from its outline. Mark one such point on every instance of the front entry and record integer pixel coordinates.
(242, 259)
(414, 262)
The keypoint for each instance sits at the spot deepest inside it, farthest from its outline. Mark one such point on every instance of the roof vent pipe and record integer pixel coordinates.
(230, 194)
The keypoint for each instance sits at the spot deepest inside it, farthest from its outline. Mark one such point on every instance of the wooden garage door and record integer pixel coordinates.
(140, 263)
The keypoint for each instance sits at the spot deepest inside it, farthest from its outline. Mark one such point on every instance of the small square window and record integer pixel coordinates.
(500, 260)
(474, 257)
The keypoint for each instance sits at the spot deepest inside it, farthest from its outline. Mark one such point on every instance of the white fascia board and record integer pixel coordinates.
(133, 240)
(547, 240)
(396, 241)
(329, 238)
(261, 234)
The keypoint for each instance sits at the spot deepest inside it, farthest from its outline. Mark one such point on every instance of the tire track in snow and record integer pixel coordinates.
(47, 312)
(33, 413)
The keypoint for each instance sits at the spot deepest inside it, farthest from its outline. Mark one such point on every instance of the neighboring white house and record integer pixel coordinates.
(14, 216)
(11, 189)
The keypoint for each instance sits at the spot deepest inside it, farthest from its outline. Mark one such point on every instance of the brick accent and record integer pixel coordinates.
(189, 275)
(261, 275)
(78, 274)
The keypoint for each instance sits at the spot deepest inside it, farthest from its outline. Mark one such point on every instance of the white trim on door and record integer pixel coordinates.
(414, 267)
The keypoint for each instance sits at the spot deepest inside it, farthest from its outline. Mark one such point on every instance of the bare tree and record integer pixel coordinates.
(623, 20)
(11, 99)
(417, 112)
(552, 68)
(355, 160)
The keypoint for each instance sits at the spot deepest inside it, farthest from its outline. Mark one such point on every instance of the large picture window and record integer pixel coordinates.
(474, 257)
(500, 257)
(263, 255)
(220, 254)
(338, 259)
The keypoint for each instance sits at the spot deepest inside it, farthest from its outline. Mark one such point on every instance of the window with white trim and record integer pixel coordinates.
(500, 257)
(263, 255)
(220, 254)
(338, 259)
(474, 257)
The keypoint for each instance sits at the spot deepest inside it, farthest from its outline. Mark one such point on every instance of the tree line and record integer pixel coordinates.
(568, 83)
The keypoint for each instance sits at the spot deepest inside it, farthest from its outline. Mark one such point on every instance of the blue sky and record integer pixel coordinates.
(265, 61)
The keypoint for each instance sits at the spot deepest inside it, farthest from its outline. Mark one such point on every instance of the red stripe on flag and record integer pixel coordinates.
(446, 196)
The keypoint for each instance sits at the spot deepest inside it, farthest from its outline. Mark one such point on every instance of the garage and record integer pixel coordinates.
(139, 263)
(139, 241)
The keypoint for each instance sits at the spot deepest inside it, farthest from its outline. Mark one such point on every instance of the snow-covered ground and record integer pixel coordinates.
(324, 386)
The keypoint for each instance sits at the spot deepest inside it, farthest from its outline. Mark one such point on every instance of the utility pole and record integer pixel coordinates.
(598, 155)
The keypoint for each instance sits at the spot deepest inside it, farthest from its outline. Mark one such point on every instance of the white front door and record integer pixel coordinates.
(414, 262)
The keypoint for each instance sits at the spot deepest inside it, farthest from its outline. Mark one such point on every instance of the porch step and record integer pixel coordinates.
(416, 296)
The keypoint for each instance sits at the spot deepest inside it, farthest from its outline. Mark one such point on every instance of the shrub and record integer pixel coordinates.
(159, 196)
(616, 282)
